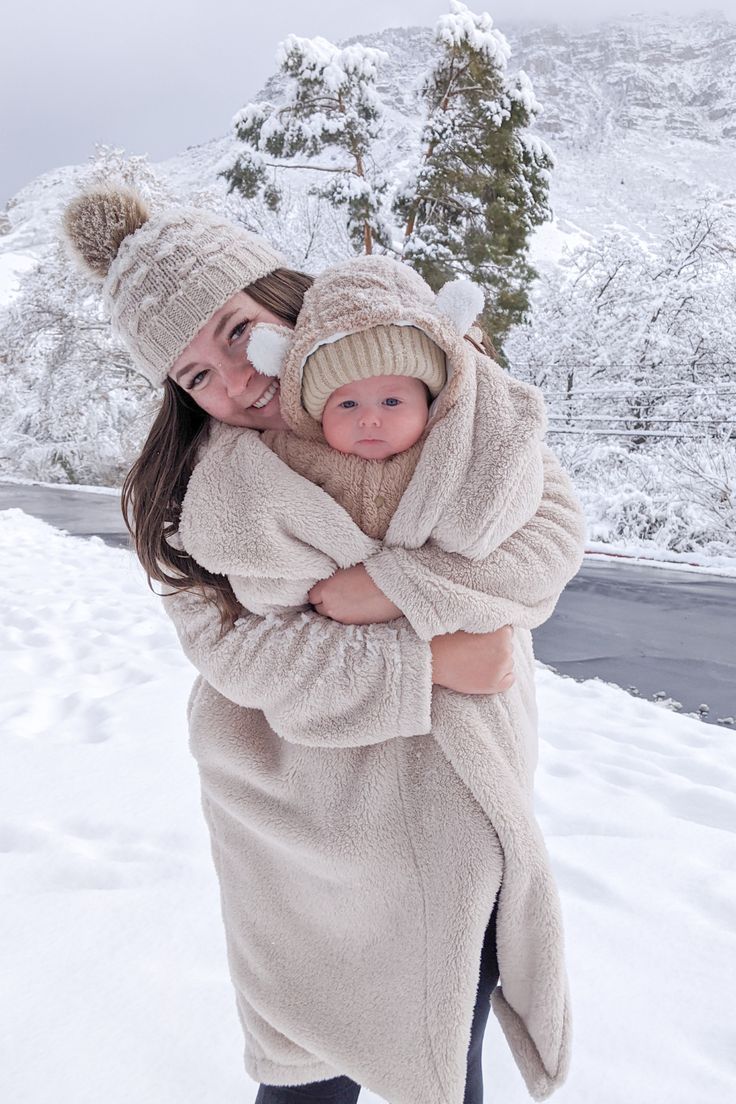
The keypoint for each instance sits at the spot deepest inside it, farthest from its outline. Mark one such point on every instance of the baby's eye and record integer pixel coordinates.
(393, 402)
(348, 404)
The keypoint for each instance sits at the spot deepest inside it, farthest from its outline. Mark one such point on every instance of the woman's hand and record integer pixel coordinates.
(351, 597)
(474, 663)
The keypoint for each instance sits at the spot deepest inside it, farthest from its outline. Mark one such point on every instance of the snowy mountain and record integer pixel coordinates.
(640, 114)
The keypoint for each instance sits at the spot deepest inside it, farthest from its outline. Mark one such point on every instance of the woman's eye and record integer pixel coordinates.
(195, 381)
(239, 330)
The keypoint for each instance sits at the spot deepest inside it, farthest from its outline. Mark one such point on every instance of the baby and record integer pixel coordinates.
(372, 390)
(378, 417)
(370, 393)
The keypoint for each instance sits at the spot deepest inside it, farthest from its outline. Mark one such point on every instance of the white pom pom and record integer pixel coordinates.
(268, 347)
(460, 301)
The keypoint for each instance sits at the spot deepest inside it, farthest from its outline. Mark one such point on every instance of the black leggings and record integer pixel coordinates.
(341, 1090)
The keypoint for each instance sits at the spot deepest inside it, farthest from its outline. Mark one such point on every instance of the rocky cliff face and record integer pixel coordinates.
(672, 78)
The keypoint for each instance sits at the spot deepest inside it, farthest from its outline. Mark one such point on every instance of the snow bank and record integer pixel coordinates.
(115, 984)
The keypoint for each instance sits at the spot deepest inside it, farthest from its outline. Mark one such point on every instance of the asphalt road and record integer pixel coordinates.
(671, 633)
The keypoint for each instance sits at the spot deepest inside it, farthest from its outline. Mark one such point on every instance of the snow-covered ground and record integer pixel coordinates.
(648, 553)
(115, 985)
(12, 267)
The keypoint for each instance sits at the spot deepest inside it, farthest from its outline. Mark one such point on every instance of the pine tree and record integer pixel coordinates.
(332, 113)
(482, 183)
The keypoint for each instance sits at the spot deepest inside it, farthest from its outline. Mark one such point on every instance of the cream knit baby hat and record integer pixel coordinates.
(378, 351)
(163, 275)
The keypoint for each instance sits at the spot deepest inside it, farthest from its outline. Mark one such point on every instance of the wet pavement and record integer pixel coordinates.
(667, 633)
(81, 513)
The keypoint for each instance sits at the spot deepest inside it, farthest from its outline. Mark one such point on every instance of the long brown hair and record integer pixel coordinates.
(154, 487)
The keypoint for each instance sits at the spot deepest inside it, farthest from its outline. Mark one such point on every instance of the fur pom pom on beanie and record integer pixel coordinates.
(163, 275)
(96, 224)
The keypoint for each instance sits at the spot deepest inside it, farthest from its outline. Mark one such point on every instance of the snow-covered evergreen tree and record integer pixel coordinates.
(482, 182)
(327, 123)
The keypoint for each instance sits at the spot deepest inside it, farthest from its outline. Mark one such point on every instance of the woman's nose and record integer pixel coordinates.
(236, 378)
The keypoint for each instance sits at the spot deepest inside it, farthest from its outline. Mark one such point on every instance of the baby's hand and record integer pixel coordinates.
(351, 597)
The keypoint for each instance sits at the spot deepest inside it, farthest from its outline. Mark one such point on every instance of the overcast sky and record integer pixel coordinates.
(155, 76)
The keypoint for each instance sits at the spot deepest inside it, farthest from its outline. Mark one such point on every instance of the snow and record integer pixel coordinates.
(652, 556)
(523, 92)
(82, 488)
(115, 983)
(12, 267)
(555, 240)
(463, 26)
(253, 114)
(317, 57)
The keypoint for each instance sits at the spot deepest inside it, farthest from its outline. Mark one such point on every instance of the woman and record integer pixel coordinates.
(298, 823)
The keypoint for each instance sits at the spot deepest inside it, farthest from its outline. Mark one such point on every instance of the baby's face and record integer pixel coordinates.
(376, 418)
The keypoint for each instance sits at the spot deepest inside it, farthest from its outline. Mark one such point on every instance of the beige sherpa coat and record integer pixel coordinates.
(362, 826)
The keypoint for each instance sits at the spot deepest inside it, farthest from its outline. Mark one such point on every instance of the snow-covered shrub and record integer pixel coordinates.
(634, 346)
(72, 408)
(705, 473)
(661, 497)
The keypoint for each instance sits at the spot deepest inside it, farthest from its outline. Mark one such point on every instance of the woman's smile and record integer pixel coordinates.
(267, 397)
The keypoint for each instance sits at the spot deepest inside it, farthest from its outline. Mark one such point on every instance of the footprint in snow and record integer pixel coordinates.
(87, 855)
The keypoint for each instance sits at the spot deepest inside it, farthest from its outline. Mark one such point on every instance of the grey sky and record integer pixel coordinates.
(155, 76)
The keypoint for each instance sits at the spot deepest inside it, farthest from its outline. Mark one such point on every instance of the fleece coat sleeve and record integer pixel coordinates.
(317, 682)
(518, 584)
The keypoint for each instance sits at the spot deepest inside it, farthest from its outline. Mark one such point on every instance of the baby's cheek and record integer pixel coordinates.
(413, 425)
(329, 429)
(337, 433)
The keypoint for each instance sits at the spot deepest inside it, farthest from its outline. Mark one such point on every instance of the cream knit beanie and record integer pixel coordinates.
(379, 351)
(165, 275)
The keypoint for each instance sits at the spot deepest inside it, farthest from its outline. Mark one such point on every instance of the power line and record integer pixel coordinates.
(629, 390)
(630, 433)
(700, 367)
(666, 421)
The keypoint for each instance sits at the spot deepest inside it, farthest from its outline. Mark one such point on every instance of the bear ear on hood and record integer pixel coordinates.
(268, 347)
(460, 302)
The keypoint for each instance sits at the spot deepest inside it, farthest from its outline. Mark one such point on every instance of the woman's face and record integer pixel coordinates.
(214, 368)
